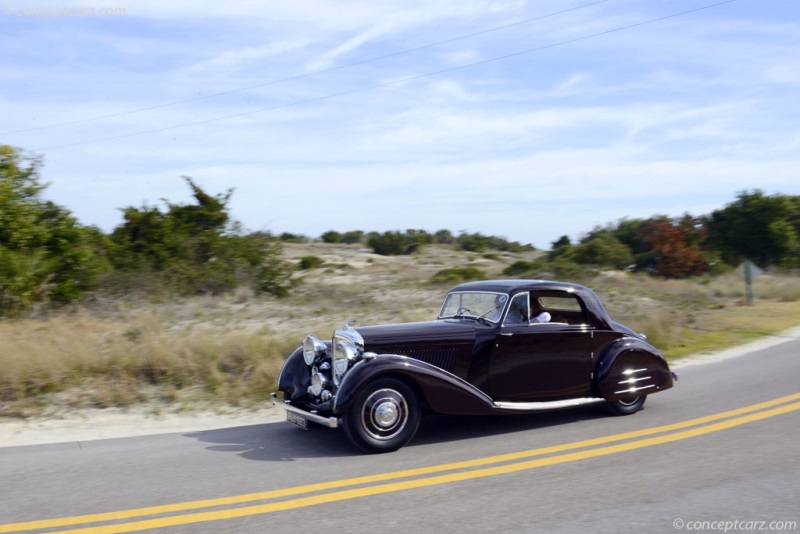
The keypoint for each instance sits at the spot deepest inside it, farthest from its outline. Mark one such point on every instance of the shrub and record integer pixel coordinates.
(604, 251)
(197, 249)
(563, 269)
(392, 243)
(473, 242)
(458, 274)
(352, 237)
(444, 237)
(523, 267)
(310, 262)
(478, 243)
(287, 237)
(331, 236)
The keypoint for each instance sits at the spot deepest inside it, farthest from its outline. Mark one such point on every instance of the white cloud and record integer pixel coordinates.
(462, 57)
(327, 59)
(667, 118)
(245, 57)
(785, 71)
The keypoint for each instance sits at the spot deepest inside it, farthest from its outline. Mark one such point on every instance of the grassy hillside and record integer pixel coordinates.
(213, 351)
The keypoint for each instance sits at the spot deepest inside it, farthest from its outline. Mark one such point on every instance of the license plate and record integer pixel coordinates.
(297, 420)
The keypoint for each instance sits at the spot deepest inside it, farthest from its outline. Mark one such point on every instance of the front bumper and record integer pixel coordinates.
(330, 422)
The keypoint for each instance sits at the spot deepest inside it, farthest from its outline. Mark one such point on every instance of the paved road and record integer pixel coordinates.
(712, 449)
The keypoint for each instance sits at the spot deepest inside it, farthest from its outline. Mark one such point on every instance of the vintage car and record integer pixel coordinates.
(497, 347)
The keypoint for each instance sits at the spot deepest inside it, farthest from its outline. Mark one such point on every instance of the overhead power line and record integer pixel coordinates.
(393, 82)
(304, 75)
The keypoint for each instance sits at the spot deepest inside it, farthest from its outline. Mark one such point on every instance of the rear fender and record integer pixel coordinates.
(631, 367)
(442, 391)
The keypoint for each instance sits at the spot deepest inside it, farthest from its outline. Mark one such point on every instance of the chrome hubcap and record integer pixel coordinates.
(384, 414)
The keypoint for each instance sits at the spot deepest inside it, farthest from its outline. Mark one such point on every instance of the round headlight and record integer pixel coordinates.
(343, 353)
(313, 348)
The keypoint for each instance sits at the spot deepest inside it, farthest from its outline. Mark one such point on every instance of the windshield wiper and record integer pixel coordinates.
(480, 318)
(483, 317)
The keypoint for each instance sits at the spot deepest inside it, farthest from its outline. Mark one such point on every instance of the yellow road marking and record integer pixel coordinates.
(432, 481)
(399, 486)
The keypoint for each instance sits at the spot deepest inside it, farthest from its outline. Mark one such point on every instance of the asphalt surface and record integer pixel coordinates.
(701, 476)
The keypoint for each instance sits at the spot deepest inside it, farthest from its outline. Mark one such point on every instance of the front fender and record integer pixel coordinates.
(442, 391)
(295, 376)
(631, 367)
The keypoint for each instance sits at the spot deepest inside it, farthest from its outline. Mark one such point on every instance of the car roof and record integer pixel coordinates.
(513, 286)
(595, 308)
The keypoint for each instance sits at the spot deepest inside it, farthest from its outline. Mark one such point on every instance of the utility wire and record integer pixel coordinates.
(394, 82)
(305, 75)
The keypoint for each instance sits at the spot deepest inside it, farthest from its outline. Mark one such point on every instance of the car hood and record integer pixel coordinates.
(431, 334)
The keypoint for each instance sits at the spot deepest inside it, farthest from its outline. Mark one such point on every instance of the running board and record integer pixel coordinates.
(550, 405)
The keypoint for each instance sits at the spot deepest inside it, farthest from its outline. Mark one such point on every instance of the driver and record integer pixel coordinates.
(518, 311)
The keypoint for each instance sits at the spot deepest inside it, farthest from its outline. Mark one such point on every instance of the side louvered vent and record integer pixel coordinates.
(443, 358)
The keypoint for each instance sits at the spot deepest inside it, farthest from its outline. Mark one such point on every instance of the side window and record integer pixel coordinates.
(562, 308)
(518, 311)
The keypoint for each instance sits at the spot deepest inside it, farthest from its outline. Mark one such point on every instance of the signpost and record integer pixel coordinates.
(751, 272)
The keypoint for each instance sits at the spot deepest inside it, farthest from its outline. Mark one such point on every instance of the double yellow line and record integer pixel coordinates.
(327, 492)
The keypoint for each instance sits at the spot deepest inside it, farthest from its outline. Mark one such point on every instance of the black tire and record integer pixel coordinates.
(384, 416)
(626, 406)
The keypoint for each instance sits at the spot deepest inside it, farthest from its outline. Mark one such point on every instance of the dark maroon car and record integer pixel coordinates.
(497, 347)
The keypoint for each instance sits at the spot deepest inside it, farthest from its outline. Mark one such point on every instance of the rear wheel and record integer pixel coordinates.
(384, 416)
(627, 406)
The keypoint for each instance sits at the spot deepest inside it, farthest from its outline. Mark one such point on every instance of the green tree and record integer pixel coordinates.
(784, 235)
(603, 250)
(759, 227)
(631, 232)
(44, 253)
(196, 248)
(559, 247)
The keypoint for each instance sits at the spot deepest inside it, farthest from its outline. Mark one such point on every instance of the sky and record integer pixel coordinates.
(523, 119)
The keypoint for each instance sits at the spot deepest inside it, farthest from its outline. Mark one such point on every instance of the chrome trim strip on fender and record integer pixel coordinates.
(634, 380)
(549, 405)
(330, 422)
(634, 390)
(631, 371)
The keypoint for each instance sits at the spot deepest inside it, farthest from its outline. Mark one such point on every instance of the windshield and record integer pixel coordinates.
(474, 304)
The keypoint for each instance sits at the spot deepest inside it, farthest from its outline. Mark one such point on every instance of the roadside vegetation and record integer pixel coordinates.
(179, 307)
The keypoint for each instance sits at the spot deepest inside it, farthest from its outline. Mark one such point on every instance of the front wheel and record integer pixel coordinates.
(384, 416)
(627, 406)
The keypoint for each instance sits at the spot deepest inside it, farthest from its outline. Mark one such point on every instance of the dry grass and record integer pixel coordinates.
(85, 360)
(683, 317)
(190, 353)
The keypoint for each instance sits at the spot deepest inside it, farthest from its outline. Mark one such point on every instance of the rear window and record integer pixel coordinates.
(564, 308)
(567, 303)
